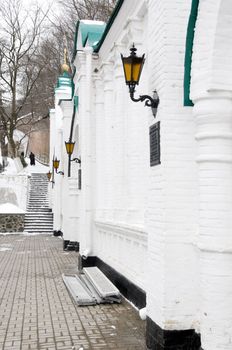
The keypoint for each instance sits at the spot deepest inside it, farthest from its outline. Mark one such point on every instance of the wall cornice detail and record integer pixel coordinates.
(124, 230)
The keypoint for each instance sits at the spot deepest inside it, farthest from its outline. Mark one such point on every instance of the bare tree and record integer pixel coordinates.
(89, 9)
(20, 62)
(80, 9)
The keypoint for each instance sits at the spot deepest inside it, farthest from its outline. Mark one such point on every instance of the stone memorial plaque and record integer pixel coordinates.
(155, 144)
(79, 179)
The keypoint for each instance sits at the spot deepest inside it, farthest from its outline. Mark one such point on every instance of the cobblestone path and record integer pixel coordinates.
(36, 311)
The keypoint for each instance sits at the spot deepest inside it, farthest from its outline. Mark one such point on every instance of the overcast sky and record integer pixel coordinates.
(45, 4)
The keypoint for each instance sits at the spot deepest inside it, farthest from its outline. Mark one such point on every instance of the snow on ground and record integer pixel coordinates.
(9, 208)
(11, 169)
(37, 168)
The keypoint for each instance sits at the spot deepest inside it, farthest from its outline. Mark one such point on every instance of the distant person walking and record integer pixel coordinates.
(32, 158)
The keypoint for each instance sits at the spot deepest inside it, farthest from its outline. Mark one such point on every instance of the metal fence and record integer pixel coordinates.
(42, 159)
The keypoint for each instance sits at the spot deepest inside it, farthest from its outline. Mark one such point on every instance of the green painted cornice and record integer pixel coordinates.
(189, 51)
(75, 41)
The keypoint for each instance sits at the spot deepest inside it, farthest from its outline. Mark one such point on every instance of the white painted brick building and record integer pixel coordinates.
(161, 233)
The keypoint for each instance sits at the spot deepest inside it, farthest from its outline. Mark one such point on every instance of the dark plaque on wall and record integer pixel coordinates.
(79, 179)
(155, 144)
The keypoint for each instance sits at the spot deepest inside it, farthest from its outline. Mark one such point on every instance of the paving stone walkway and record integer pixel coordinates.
(37, 313)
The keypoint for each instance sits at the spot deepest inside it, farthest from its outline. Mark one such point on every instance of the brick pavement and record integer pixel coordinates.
(37, 312)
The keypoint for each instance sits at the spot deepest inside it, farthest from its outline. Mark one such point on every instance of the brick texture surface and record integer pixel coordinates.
(37, 311)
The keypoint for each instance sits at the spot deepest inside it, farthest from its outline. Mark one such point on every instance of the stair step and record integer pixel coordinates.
(39, 216)
(38, 200)
(39, 225)
(48, 224)
(41, 199)
(39, 206)
(43, 209)
(39, 231)
(35, 228)
(38, 228)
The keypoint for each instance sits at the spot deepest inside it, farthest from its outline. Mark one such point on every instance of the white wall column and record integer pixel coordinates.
(119, 158)
(108, 112)
(100, 136)
(86, 205)
(70, 192)
(57, 220)
(213, 114)
(171, 206)
(52, 115)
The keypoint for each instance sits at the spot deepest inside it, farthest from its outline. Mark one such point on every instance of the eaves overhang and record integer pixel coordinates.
(109, 24)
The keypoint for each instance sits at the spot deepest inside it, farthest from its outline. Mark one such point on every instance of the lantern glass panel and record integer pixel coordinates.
(69, 147)
(136, 71)
(132, 68)
(127, 69)
(56, 164)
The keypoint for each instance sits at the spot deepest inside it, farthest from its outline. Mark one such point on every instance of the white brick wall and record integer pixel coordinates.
(214, 38)
(167, 228)
(172, 202)
(121, 162)
(211, 92)
(129, 193)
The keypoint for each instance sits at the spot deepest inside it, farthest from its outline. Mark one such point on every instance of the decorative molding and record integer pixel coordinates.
(123, 230)
(216, 158)
(213, 135)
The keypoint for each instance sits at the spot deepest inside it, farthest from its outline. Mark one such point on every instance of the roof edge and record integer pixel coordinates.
(109, 24)
(189, 51)
(75, 41)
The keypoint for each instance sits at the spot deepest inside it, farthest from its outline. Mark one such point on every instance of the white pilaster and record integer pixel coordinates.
(86, 206)
(171, 205)
(109, 156)
(214, 136)
(100, 136)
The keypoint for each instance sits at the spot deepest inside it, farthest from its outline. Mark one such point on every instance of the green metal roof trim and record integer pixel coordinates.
(75, 41)
(76, 102)
(64, 80)
(89, 29)
(95, 32)
(189, 51)
(109, 24)
(93, 38)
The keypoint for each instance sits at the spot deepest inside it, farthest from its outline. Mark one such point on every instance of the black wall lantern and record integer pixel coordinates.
(133, 66)
(56, 164)
(50, 176)
(69, 149)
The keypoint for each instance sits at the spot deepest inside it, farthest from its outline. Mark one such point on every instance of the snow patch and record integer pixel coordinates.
(9, 208)
(89, 21)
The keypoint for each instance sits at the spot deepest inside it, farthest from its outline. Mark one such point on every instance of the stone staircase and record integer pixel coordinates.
(38, 217)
